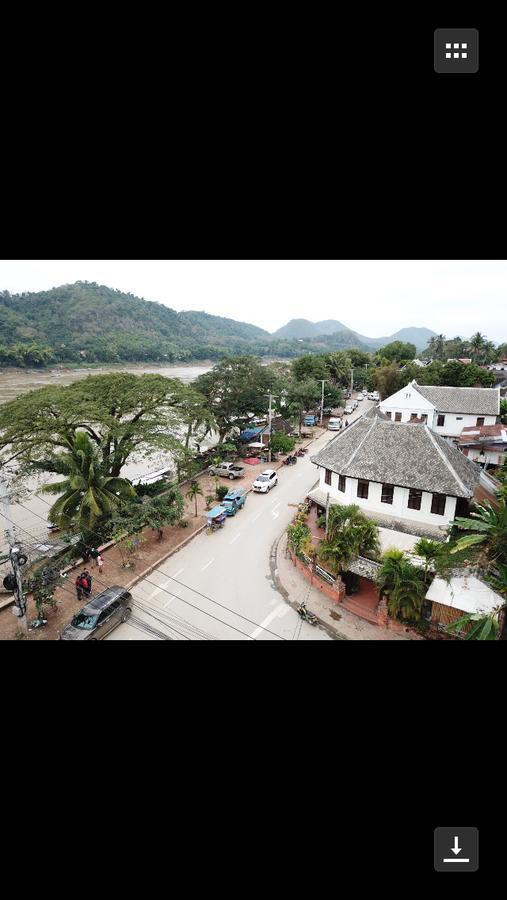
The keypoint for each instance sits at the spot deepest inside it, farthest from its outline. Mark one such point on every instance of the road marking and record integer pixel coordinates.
(168, 602)
(273, 615)
(275, 514)
(278, 504)
(235, 538)
(177, 573)
(208, 564)
(257, 516)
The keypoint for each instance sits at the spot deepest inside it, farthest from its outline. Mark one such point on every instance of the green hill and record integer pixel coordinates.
(88, 321)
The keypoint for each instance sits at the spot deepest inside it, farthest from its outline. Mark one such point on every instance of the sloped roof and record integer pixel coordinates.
(478, 434)
(466, 593)
(399, 453)
(476, 401)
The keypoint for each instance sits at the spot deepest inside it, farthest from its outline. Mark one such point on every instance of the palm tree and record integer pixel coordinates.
(477, 343)
(350, 534)
(193, 492)
(339, 365)
(489, 529)
(87, 494)
(436, 346)
(403, 584)
(429, 551)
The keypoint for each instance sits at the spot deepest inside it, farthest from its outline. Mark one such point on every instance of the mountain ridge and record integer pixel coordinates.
(92, 322)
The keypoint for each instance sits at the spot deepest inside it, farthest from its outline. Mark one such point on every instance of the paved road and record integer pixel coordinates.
(231, 566)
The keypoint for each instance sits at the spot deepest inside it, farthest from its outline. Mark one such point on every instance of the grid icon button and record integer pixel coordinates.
(456, 51)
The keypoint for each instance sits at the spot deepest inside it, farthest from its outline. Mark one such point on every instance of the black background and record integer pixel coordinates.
(307, 134)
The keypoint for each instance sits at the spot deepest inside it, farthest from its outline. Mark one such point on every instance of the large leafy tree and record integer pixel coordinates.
(122, 414)
(389, 379)
(302, 396)
(235, 389)
(87, 496)
(339, 367)
(398, 350)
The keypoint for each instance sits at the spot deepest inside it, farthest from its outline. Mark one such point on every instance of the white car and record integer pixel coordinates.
(348, 410)
(360, 397)
(265, 481)
(334, 424)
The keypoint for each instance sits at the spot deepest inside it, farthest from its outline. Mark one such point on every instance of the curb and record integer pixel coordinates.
(162, 559)
(273, 560)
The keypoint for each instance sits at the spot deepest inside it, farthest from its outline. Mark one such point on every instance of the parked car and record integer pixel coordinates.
(349, 409)
(310, 420)
(364, 392)
(334, 424)
(228, 469)
(359, 397)
(265, 481)
(95, 620)
(354, 404)
(375, 396)
(233, 501)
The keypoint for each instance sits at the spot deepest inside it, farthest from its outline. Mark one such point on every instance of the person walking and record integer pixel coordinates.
(94, 553)
(79, 589)
(100, 562)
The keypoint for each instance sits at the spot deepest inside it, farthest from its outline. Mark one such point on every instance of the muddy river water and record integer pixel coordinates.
(30, 512)
(14, 382)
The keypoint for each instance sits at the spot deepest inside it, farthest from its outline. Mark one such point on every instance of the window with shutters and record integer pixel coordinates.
(440, 420)
(387, 493)
(327, 477)
(438, 504)
(341, 483)
(397, 417)
(480, 421)
(414, 499)
(362, 489)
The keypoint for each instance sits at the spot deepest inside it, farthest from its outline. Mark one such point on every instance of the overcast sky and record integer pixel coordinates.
(373, 297)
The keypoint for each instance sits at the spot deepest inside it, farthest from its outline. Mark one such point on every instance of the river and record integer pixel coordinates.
(30, 512)
(14, 382)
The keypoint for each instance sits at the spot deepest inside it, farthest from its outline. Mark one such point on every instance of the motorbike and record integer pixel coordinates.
(306, 615)
(300, 452)
(290, 461)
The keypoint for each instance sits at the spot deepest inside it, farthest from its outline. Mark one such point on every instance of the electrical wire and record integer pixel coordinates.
(164, 590)
(188, 587)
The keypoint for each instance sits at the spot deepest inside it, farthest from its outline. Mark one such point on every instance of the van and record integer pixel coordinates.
(98, 617)
(334, 424)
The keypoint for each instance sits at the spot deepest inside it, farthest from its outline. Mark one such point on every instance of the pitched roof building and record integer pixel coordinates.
(446, 410)
(405, 476)
(484, 444)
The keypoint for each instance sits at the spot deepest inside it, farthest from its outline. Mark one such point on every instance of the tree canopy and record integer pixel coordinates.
(122, 414)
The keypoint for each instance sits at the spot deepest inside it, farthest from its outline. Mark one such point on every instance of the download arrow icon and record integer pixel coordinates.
(456, 849)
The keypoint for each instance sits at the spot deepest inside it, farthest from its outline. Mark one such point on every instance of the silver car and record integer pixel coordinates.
(95, 620)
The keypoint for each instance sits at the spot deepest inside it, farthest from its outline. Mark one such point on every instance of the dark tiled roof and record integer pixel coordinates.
(399, 453)
(476, 401)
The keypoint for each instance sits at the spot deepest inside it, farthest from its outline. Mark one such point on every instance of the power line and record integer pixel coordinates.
(182, 584)
(164, 590)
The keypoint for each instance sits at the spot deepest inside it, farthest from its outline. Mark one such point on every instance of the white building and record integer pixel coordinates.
(446, 410)
(404, 476)
(485, 445)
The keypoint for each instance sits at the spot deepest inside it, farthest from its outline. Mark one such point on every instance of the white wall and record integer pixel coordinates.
(493, 457)
(409, 400)
(398, 509)
(455, 422)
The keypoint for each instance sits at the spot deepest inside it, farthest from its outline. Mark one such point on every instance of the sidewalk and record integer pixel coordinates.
(338, 622)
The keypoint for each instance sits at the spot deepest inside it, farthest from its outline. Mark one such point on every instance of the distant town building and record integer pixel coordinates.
(446, 410)
(485, 445)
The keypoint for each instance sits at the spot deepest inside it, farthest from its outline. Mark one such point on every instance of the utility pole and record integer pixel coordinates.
(14, 552)
(322, 402)
(351, 382)
(271, 397)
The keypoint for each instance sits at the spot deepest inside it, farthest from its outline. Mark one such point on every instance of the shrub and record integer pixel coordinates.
(221, 491)
(210, 499)
(282, 443)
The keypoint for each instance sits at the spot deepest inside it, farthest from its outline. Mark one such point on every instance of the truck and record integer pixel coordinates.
(228, 470)
(234, 500)
(310, 420)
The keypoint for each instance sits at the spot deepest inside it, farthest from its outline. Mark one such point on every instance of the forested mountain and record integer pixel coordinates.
(303, 328)
(88, 322)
